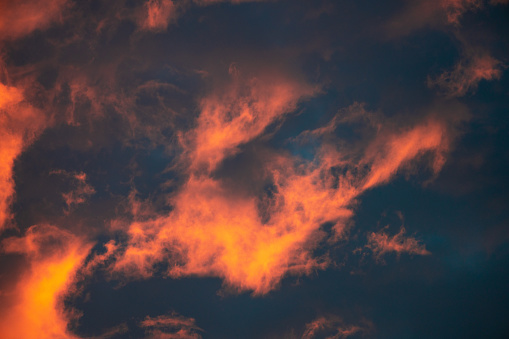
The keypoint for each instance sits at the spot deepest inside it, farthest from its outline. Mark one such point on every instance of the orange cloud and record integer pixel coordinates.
(249, 240)
(171, 326)
(210, 2)
(239, 114)
(19, 18)
(398, 150)
(356, 112)
(158, 14)
(81, 189)
(455, 8)
(418, 14)
(35, 307)
(212, 232)
(381, 243)
(332, 327)
(467, 74)
(19, 122)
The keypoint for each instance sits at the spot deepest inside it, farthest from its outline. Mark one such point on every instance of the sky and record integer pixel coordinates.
(254, 169)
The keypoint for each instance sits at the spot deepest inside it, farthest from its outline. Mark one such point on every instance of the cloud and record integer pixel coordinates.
(333, 327)
(210, 2)
(455, 8)
(80, 192)
(467, 74)
(381, 243)
(213, 232)
(244, 206)
(419, 14)
(476, 64)
(20, 18)
(158, 14)
(390, 154)
(239, 113)
(34, 307)
(355, 113)
(19, 123)
(171, 326)
(252, 239)
(113, 332)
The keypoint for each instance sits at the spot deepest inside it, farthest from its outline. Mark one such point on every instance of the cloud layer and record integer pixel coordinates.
(211, 168)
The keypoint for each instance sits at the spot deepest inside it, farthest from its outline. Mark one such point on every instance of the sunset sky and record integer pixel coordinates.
(254, 169)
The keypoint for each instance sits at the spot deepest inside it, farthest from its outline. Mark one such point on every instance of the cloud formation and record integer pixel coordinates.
(466, 75)
(34, 308)
(20, 18)
(20, 122)
(455, 8)
(253, 239)
(420, 14)
(247, 177)
(171, 326)
(79, 191)
(158, 14)
(381, 243)
(333, 327)
(240, 113)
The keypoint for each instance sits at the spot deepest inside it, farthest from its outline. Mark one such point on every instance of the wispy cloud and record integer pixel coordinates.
(467, 74)
(334, 327)
(381, 243)
(239, 113)
(170, 326)
(253, 240)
